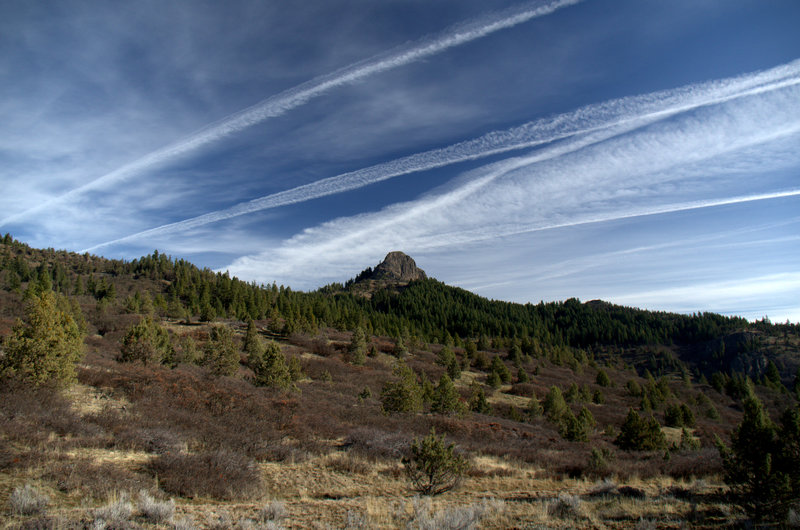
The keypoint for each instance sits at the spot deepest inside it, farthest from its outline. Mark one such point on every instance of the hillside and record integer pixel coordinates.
(239, 401)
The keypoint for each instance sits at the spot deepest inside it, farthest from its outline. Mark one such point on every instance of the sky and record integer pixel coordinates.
(642, 152)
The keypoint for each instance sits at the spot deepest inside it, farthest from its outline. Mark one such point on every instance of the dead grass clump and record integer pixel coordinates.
(349, 465)
(460, 517)
(116, 514)
(687, 464)
(566, 507)
(92, 480)
(157, 512)
(220, 475)
(377, 444)
(151, 440)
(26, 500)
(273, 512)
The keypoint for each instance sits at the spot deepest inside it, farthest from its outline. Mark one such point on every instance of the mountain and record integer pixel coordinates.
(395, 272)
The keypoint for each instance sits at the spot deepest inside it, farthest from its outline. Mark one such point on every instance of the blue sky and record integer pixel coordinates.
(641, 152)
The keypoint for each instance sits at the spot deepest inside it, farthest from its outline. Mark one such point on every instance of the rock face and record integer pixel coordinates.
(398, 267)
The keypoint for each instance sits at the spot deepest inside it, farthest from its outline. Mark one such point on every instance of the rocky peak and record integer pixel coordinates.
(398, 267)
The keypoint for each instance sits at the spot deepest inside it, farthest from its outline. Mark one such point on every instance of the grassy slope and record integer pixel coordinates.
(325, 452)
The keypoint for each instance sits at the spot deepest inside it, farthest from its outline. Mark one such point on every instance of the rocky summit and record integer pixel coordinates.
(398, 267)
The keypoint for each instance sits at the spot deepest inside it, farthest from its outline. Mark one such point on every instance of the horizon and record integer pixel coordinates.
(533, 151)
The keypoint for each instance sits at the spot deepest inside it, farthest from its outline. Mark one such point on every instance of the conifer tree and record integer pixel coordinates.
(445, 397)
(477, 400)
(357, 350)
(403, 394)
(220, 353)
(554, 404)
(147, 342)
(45, 348)
(272, 370)
(639, 434)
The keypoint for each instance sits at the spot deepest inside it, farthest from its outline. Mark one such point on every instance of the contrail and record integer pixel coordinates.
(294, 97)
(615, 117)
(470, 236)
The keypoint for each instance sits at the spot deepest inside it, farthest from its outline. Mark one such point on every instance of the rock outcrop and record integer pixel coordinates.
(398, 267)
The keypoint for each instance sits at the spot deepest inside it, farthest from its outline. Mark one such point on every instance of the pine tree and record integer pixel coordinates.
(434, 467)
(639, 434)
(554, 405)
(46, 347)
(272, 370)
(253, 345)
(445, 397)
(147, 342)
(403, 394)
(357, 350)
(762, 465)
(220, 353)
(477, 400)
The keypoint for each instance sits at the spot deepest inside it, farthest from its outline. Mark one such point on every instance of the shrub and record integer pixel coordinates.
(155, 511)
(114, 514)
(27, 501)
(638, 434)
(457, 518)
(221, 475)
(274, 511)
(46, 347)
(566, 507)
(433, 466)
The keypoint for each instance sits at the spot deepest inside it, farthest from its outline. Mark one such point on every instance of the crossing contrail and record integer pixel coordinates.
(592, 124)
(294, 97)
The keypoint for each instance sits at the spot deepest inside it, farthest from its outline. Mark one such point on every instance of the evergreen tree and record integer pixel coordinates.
(403, 394)
(253, 345)
(45, 348)
(499, 367)
(602, 378)
(357, 350)
(554, 405)
(638, 434)
(445, 397)
(477, 399)
(272, 371)
(535, 408)
(147, 342)
(434, 467)
(448, 359)
(220, 354)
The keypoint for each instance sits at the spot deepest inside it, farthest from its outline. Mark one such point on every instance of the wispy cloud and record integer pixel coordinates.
(674, 164)
(285, 101)
(592, 124)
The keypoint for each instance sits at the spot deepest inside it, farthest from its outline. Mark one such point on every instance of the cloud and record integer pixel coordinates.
(591, 124)
(674, 164)
(299, 95)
